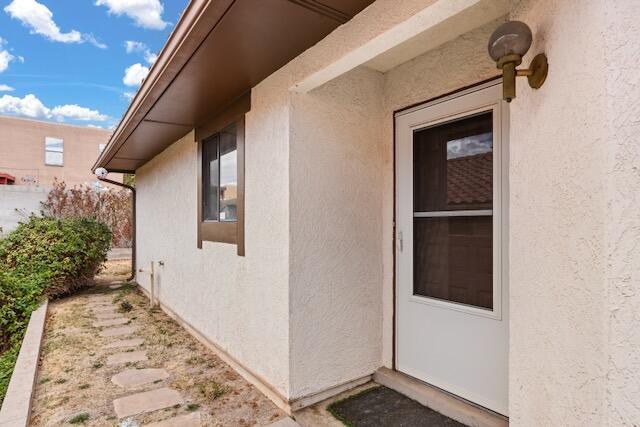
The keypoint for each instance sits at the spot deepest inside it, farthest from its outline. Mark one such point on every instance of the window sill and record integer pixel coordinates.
(215, 231)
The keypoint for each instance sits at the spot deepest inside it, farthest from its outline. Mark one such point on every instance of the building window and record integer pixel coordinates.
(220, 176)
(221, 186)
(53, 151)
(101, 148)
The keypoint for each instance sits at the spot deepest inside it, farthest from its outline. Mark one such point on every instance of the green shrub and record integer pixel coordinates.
(19, 296)
(44, 257)
(79, 419)
(64, 253)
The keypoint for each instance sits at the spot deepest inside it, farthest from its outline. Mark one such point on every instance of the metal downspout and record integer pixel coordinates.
(133, 223)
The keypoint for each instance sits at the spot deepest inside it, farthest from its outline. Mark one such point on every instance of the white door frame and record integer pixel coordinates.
(460, 101)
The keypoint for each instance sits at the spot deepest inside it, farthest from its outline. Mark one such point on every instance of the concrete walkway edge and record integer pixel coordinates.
(16, 408)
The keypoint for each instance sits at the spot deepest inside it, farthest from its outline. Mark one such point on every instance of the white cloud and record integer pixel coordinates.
(5, 59)
(150, 57)
(134, 74)
(132, 46)
(31, 106)
(91, 39)
(39, 19)
(6, 88)
(5, 56)
(145, 13)
(94, 126)
(74, 111)
(129, 95)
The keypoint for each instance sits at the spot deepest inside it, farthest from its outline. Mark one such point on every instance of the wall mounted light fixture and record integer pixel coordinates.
(507, 45)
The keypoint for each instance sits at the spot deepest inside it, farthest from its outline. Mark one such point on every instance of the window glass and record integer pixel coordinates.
(228, 175)
(54, 151)
(210, 177)
(453, 259)
(220, 176)
(101, 148)
(453, 165)
(453, 250)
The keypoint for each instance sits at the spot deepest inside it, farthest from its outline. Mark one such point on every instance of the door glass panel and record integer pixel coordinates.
(453, 259)
(453, 165)
(453, 250)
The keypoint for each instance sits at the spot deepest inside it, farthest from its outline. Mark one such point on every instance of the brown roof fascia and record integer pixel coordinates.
(196, 22)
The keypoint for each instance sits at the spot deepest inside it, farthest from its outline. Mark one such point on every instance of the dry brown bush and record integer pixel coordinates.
(107, 204)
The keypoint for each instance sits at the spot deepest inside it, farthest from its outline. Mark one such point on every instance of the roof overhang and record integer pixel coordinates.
(218, 51)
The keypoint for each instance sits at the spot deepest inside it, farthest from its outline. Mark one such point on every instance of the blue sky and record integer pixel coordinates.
(66, 60)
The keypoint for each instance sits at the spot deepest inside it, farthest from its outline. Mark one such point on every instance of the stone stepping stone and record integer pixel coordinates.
(131, 356)
(115, 286)
(110, 309)
(133, 342)
(102, 306)
(147, 401)
(101, 300)
(111, 322)
(104, 315)
(188, 420)
(115, 332)
(138, 377)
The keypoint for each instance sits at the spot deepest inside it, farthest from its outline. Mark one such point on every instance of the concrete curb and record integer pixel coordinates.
(16, 407)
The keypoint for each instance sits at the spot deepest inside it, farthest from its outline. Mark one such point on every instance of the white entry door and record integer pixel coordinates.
(452, 291)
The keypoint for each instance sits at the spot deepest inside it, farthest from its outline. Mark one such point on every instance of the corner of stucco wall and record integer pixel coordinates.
(336, 232)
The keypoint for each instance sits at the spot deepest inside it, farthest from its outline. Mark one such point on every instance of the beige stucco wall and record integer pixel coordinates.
(238, 303)
(336, 227)
(574, 216)
(318, 166)
(22, 151)
(310, 306)
(338, 145)
(622, 49)
(558, 199)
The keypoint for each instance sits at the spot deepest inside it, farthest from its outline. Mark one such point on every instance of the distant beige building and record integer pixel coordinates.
(35, 152)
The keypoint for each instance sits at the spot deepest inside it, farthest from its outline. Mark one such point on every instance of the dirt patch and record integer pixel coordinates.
(74, 379)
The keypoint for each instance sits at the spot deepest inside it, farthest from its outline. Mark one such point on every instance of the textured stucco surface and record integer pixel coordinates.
(336, 251)
(310, 306)
(304, 308)
(239, 303)
(622, 50)
(558, 174)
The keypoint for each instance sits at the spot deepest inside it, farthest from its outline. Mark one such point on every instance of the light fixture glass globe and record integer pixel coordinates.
(101, 172)
(510, 38)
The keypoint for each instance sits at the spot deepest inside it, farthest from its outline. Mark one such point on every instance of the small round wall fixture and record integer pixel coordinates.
(507, 45)
(101, 173)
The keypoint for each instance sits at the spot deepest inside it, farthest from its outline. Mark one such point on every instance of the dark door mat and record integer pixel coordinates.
(381, 406)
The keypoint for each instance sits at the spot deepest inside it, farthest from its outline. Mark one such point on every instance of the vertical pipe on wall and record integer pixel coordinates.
(133, 223)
